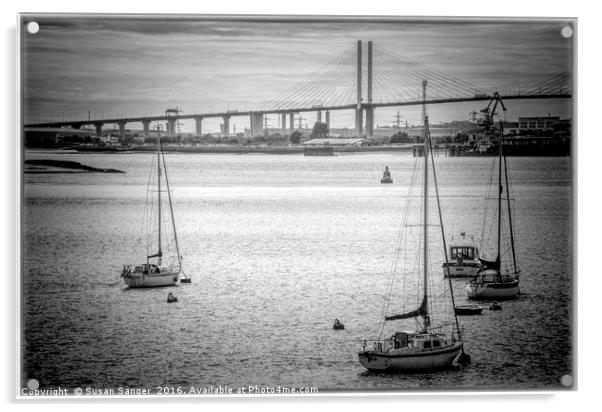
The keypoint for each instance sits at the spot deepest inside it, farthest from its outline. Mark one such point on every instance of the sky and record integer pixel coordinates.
(106, 66)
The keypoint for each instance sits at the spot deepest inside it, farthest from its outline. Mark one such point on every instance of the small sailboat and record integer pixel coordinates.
(386, 176)
(464, 258)
(338, 325)
(436, 341)
(160, 268)
(491, 282)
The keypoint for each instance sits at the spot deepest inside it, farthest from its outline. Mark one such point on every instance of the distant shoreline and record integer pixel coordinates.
(290, 150)
(227, 149)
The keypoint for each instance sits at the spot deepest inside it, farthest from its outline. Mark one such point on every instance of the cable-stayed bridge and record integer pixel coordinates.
(349, 81)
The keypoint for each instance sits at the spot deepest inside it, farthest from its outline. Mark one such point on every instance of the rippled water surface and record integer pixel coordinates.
(277, 246)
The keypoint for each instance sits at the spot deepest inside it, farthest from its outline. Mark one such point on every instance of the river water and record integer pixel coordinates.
(278, 246)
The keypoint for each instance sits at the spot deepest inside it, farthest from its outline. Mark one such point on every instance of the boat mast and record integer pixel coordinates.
(159, 254)
(425, 211)
(498, 99)
(173, 221)
(509, 211)
(499, 198)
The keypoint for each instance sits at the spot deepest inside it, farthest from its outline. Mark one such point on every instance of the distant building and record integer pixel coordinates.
(538, 123)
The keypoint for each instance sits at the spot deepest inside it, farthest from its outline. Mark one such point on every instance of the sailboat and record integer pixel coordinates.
(155, 271)
(490, 281)
(429, 346)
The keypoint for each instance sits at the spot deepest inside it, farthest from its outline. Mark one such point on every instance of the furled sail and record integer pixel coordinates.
(421, 311)
(158, 254)
(491, 265)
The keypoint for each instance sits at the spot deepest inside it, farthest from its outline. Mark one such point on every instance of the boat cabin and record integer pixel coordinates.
(463, 252)
(147, 268)
(410, 340)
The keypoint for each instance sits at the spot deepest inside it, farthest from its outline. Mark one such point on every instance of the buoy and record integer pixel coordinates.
(171, 298)
(338, 325)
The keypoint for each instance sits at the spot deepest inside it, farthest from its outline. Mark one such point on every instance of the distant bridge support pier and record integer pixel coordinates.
(98, 127)
(198, 122)
(291, 123)
(369, 122)
(171, 127)
(122, 129)
(359, 122)
(256, 124)
(226, 130)
(146, 127)
(319, 116)
(358, 108)
(283, 123)
(369, 110)
(328, 119)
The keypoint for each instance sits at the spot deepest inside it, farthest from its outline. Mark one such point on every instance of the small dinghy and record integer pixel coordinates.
(338, 325)
(495, 306)
(468, 310)
(171, 298)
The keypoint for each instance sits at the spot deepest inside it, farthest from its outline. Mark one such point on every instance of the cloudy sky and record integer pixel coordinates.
(125, 66)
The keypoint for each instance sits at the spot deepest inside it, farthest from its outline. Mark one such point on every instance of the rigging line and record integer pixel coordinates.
(404, 89)
(345, 91)
(444, 80)
(401, 233)
(173, 221)
(341, 57)
(391, 80)
(341, 95)
(389, 71)
(308, 90)
(144, 214)
(325, 78)
(297, 89)
(405, 70)
(510, 217)
(392, 71)
(415, 80)
(317, 88)
(490, 183)
(443, 234)
(426, 69)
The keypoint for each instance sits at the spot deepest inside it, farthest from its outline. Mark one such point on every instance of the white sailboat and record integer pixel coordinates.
(491, 282)
(429, 345)
(160, 269)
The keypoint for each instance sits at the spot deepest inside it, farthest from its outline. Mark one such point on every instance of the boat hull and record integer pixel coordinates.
(135, 280)
(416, 361)
(461, 271)
(492, 290)
(468, 310)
